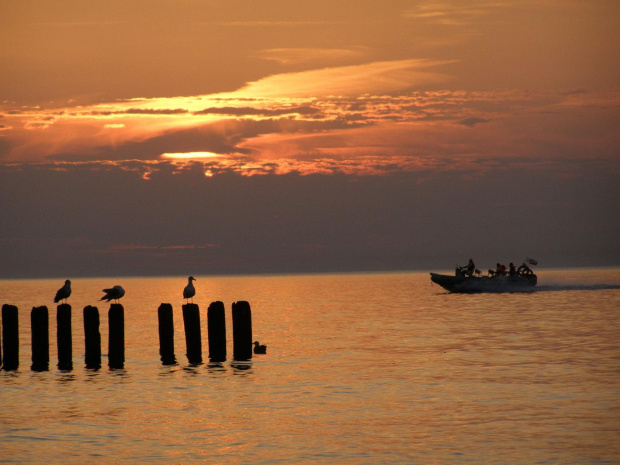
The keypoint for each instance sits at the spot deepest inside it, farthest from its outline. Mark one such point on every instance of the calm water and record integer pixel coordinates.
(360, 369)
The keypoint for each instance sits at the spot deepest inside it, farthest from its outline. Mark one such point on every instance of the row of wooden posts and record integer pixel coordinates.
(39, 320)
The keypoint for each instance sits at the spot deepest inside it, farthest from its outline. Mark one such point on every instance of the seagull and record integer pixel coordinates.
(259, 349)
(113, 293)
(63, 293)
(190, 291)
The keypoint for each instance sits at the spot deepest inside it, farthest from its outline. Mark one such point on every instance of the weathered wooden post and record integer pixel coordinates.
(64, 338)
(10, 337)
(166, 334)
(39, 325)
(216, 322)
(92, 337)
(242, 330)
(116, 336)
(193, 342)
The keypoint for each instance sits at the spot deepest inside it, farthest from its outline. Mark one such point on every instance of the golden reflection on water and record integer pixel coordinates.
(365, 368)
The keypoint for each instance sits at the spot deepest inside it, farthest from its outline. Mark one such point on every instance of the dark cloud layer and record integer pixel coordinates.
(105, 219)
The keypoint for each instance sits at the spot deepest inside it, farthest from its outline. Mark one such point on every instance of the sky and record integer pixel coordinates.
(180, 137)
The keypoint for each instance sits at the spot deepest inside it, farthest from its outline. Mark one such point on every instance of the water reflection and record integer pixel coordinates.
(240, 367)
(91, 374)
(192, 369)
(65, 377)
(167, 370)
(415, 378)
(169, 360)
(216, 368)
(120, 374)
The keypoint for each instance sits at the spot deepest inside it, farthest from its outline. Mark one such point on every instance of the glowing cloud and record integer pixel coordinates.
(190, 155)
(377, 77)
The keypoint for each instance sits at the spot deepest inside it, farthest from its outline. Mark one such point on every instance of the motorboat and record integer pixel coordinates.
(464, 283)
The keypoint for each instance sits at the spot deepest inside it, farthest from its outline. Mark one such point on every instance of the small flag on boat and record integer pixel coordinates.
(531, 261)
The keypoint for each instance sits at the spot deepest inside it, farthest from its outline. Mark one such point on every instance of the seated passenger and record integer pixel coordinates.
(500, 270)
(524, 270)
(494, 272)
(471, 268)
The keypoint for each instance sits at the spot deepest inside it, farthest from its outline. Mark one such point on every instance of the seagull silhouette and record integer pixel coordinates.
(190, 291)
(259, 349)
(63, 293)
(114, 293)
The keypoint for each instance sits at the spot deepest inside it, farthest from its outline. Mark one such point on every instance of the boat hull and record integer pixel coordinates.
(471, 284)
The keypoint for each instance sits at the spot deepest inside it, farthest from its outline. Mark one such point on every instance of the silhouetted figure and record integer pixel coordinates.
(259, 349)
(513, 270)
(500, 270)
(190, 291)
(63, 293)
(524, 270)
(114, 293)
(468, 270)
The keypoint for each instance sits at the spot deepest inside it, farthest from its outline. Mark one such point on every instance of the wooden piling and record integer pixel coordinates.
(193, 342)
(116, 336)
(216, 322)
(242, 331)
(39, 325)
(64, 338)
(166, 334)
(92, 338)
(10, 337)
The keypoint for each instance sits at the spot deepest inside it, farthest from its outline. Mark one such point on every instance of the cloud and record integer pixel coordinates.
(122, 224)
(150, 111)
(253, 111)
(368, 133)
(377, 77)
(295, 56)
(471, 122)
(451, 14)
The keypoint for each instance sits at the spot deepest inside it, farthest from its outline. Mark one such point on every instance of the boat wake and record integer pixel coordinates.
(575, 287)
(554, 288)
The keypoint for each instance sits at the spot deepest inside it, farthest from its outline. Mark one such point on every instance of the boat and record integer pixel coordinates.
(463, 283)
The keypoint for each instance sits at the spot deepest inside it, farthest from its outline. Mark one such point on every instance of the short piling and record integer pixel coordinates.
(64, 338)
(10, 337)
(242, 331)
(166, 334)
(216, 321)
(193, 342)
(39, 324)
(116, 336)
(92, 338)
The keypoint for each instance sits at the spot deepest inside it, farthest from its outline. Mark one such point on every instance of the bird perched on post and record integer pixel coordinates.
(63, 293)
(259, 349)
(114, 293)
(190, 291)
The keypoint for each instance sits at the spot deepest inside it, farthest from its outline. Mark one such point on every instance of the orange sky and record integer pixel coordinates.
(295, 83)
(456, 97)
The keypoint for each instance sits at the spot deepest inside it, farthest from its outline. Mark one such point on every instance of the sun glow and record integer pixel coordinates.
(190, 155)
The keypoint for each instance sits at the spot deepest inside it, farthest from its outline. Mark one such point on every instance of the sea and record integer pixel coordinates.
(366, 368)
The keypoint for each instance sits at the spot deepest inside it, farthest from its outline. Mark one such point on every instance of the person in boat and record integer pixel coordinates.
(468, 270)
(512, 270)
(500, 270)
(524, 270)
